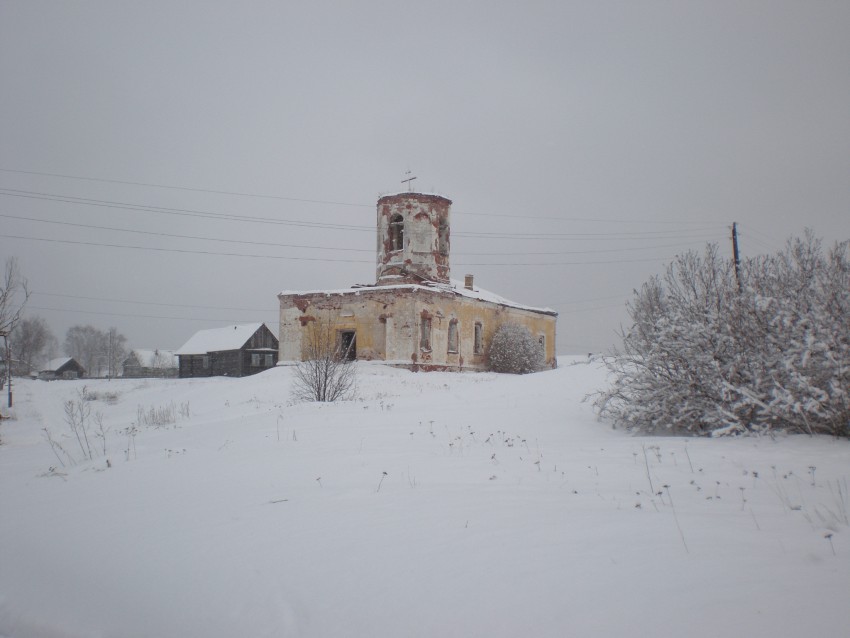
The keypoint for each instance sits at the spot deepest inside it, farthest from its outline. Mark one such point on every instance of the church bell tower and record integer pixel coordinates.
(413, 239)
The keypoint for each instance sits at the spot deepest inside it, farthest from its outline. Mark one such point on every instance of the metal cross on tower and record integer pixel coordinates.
(408, 180)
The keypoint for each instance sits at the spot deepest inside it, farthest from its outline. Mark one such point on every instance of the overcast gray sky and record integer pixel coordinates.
(243, 145)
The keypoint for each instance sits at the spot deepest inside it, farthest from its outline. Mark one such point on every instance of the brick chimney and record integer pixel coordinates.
(467, 282)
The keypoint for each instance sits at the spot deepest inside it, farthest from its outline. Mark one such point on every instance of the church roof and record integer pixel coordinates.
(455, 287)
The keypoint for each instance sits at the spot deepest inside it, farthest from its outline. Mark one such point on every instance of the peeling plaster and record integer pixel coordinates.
(387, 316)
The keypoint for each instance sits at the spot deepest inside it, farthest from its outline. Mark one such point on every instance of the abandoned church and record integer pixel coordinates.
(414, 315)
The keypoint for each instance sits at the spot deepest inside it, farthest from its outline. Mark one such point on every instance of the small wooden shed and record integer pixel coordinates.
(235, 351)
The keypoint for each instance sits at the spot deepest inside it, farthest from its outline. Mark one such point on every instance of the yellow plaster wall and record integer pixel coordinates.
(387, 323)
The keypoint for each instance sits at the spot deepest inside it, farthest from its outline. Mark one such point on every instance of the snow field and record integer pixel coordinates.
(506, 510)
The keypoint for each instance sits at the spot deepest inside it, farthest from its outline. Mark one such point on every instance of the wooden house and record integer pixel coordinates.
(235, 351)
(62, 368)
(149, 364)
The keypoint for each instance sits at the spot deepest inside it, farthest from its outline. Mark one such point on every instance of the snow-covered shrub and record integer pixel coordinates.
(704, 355)
(514, 349)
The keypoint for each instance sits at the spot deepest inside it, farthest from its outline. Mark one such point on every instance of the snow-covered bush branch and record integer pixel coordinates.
(705, 356)
(515, 350)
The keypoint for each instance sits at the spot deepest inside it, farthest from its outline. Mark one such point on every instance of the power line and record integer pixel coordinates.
(136, 316)
(759, 243)
(767, 241)
(306, 246)
(578, 252)
(619, 235)
(331, 202)
(186, 251)
(598, 220)
(578, 301)
(564, 263)
(184, 188)
(229, 308)
(187, 212)
(165, 210)
(320, 259)
(595, 308)
(173, 235)
(148, 303)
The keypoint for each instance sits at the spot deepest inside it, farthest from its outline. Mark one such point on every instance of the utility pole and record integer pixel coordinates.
(735, 254)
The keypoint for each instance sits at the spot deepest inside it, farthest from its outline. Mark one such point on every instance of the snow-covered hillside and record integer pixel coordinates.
(434, 505)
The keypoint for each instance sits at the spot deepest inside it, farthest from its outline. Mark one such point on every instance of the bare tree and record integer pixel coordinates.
(30, 340)
(326, 373)
(14, 294)
(116, 351)
(96, 350)
(85, 343)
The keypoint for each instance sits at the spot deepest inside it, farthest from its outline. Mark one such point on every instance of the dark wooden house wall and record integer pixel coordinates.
(191, 365)
(263, 338)
(71, 366)
(70, 370)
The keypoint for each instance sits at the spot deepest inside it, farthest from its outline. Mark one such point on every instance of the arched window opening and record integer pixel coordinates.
(396, 233)
(425, 334)
(452, 346)
(443, 237)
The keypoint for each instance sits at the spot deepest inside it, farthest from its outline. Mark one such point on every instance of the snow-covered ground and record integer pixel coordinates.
(434, 505)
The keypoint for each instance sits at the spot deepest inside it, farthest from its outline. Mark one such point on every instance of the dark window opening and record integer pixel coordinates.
(255, 360)
(425, 335)
(443, 237)
(478, 342)
(396, 233)
(269, 360)
(348, 345)
(452, 336)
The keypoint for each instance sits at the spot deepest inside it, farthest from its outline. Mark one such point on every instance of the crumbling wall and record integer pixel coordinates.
(388, 323)
(426, 245)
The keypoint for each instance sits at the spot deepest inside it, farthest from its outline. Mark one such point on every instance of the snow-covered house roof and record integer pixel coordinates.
(219, 339)
(154, 358)
(54, 364)
(455, 287)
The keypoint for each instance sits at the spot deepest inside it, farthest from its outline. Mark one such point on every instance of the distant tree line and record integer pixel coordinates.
(100, 352)
(709, 352)
(31, 342)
